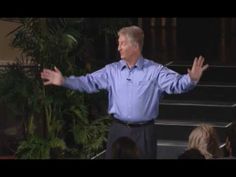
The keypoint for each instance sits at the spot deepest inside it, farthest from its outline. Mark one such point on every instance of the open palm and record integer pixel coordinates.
(52, 77)
(197, 69)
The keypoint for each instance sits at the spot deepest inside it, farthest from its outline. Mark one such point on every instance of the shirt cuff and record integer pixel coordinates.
(191, 81)
(66, 82)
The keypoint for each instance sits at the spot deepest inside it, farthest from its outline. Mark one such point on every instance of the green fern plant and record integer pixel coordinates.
(52, 114)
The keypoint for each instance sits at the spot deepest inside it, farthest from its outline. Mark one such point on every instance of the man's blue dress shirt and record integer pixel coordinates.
(134, 93)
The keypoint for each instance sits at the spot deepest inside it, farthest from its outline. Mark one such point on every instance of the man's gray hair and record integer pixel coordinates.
(134, 33)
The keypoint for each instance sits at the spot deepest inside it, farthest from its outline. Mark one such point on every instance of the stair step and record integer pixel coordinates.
(181, 129)
(217, 85)
(218, 92)
(190, 123)
(170, 149)
(198, 103)
(174, 143)
(197, 110)
(213, 73)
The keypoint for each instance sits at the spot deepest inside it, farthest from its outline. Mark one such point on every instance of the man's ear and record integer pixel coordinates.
(136, 45)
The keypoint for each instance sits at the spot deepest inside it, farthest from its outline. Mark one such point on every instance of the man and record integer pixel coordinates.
(134, 86)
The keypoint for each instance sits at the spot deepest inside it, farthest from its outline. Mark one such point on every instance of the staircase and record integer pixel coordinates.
(213, 101)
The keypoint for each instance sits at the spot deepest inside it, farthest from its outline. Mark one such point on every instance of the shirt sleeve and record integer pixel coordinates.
(89, 83)
(174, 83)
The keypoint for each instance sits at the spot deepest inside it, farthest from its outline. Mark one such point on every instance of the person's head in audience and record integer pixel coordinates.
(125, 148)
(231, 140)
(205, 139)
(191, 154)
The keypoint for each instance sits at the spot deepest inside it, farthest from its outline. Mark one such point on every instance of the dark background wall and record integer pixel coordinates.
(168, 39)
(198, 36)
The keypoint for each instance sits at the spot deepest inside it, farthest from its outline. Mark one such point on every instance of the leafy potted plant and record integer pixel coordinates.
(57, 122)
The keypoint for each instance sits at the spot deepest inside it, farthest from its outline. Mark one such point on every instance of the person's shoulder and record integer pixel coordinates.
(113, 65)
(151, 64)
(116, 63)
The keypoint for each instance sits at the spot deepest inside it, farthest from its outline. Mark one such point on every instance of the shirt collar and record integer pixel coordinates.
(139, 63)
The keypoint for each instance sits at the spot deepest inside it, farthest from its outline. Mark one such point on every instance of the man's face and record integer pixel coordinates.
(126, 48)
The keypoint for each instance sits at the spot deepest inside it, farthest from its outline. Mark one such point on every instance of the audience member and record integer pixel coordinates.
(125, 148)
(205, 139)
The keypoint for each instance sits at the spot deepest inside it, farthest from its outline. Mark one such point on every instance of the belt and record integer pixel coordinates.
(133, 124)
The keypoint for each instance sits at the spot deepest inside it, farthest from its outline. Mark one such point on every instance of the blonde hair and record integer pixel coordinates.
(134, 33)
(205, 139)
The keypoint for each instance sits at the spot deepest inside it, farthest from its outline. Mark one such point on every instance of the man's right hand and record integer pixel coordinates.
(52, 77)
